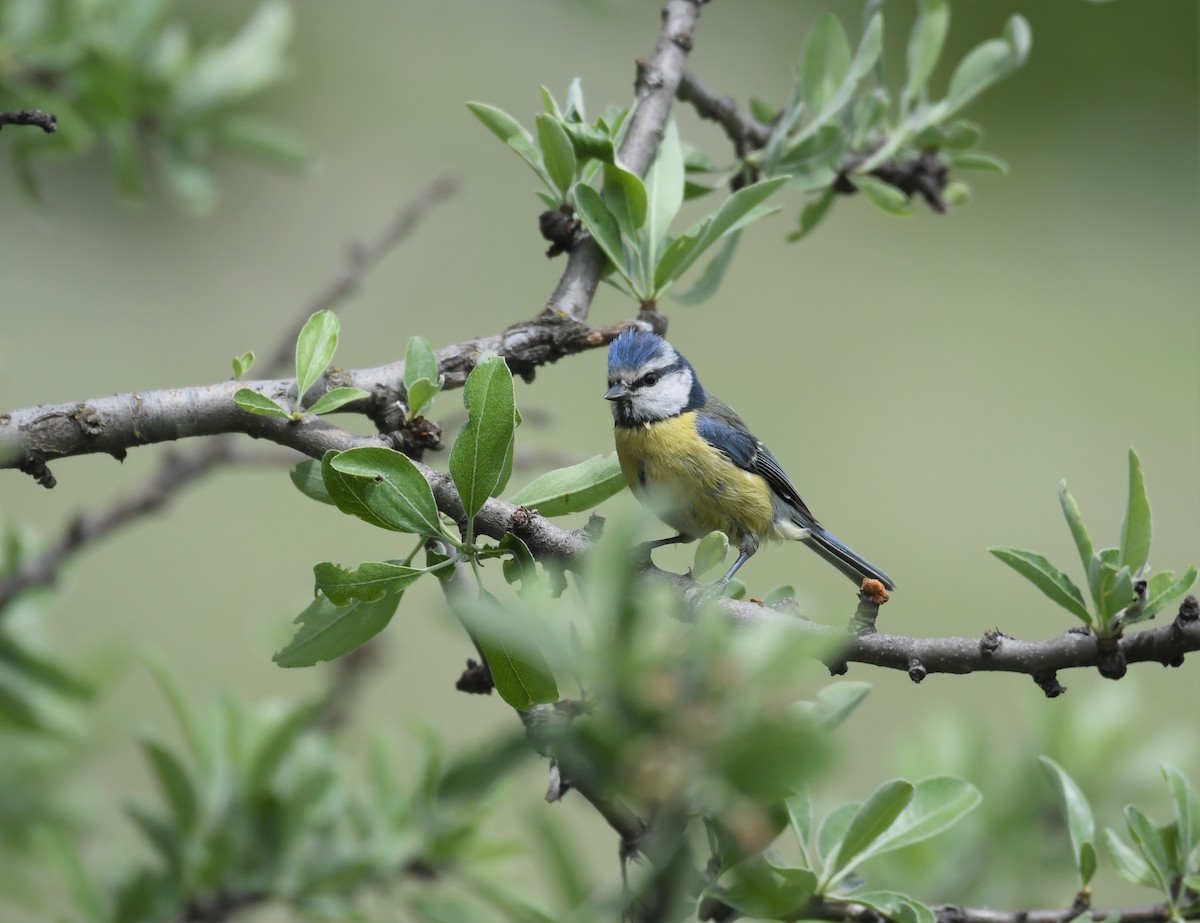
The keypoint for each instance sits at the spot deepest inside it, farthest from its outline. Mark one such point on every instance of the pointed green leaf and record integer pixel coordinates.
(1161, 598)
(557, 151)
(870, 47)
(925, 47)
(979, 161)
(242, 364)
(812, 213)
(260, 404)
(937, 804)
(884, 196)
(522, 675)
(1102, 566)
(602, 225)
(838, 701)
(1136, 528)
(1187, 814)
(740, 205)
(1080, 823)
(314, 350)
(664, 190)
(275, 747)
(677, 257)
(334, 398)
(714, 272)
(870, 822)
(421, 395)
(573, 489)
(825, 61)
(1046, 577)
(176, 784)
(1079, 531)
(198, 742)
(832, 830)
(420, 362)
(383, 487)
(508, 130)
(774, 894)
(1116, 590)
(367, 583)
(1128, 863)
(328, 631)
(308, 480)
(478, 457)
(1149, 840)
(626, 196)
(799, 809)
(989, 62)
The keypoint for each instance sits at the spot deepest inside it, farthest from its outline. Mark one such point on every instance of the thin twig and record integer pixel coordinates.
(46, 121)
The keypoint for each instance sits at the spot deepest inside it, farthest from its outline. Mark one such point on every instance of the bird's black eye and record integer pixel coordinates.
(650, 379)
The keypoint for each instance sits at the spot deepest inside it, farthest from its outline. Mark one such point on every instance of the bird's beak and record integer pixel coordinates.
(617, 391)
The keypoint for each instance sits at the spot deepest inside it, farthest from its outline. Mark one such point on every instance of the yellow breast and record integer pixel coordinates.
(689, 484)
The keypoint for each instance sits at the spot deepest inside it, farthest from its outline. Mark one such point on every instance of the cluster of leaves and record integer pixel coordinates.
(1163, 857)
(840, 116)
(315, 347)
(260, 809)
(630, 218)
(1123, 589)
(125, 75)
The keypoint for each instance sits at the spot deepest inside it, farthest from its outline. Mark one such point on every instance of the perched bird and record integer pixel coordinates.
(690, 459)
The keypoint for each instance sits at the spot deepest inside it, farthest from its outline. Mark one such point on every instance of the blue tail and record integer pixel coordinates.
(849, 562)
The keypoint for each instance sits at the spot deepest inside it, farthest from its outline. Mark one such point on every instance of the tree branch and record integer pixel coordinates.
(46, 121)
(655, 88)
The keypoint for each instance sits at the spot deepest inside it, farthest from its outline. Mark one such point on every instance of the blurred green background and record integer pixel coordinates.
(926, 382)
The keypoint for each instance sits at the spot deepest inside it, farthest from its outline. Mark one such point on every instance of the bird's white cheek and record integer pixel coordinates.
(665, 399)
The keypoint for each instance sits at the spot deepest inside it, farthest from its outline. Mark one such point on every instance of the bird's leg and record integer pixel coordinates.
(642, 555)
(747, 547)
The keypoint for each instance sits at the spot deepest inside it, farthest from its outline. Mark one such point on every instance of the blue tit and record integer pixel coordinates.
(692, 461)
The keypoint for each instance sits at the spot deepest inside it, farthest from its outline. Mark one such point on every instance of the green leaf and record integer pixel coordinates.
(626, 196)
(870, 47)
(175, 782)
(197, 741)
(799, 810)
(778, 594)
(768, 757)
(833, 829)
(664, 190)
(367, 583)
(328, 631)
(573, 489)
(893, 905)
(710, 553)
(714, 272)
(1187, 815)
(260, 404)
(477, 458)
(1149, 839)
(42, 670)
(825, 62)
(1136, 527)
(519, 669)
(1046, 577)
(512, 133)
(739, 206)
(1102, 566)
(334, 398)
(1116, 590)
(1080, 823)
(884, 196)
(53, 844)
(979, 161)
(773, 894)
(925, 47)
(242, 364)
(1079, 531)
(421, 394)
(276, 745)
(812, 213)
(602, 225)
(253, 137)
(248, 63)
(1161, 598)
(1128, 863)
(937, 804)
(838, 701)
(870, 822)
(314, 350)
(988, 63)
(420, 362)
(383, 487)
(557, 151)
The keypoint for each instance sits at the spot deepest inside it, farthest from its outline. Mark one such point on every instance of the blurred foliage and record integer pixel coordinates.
(128, 78)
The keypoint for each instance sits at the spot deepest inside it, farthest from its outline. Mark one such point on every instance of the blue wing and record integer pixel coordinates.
(723, 429)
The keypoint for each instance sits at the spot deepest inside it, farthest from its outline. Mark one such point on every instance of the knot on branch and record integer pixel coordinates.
(1110, 659)
(924, 174)
(561, 228)
(476, 679)
(1048, 682)
(991, 641)
(416, 436)
(1189, 611)
(91, 423)
(916, 670)
(35, 466)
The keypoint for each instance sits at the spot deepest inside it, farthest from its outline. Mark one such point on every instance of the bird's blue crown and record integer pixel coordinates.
(633, 348)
